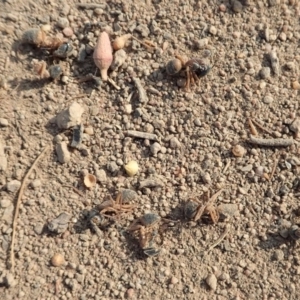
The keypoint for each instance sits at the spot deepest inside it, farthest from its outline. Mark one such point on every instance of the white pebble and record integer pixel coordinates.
(13, 186)
(211, 281)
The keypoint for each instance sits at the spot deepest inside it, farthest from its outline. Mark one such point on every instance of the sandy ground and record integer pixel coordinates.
(235, 131)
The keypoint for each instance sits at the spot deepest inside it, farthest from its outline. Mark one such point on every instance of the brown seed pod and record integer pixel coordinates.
(121, 41)
(103, 54)
(57, 260)
(174, 66)
(238, 151)
(89, 180)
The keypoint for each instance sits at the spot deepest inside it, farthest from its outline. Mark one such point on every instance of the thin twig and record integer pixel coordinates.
(261, 127)
(274, 168)
(226, 167)
(141, 135)
(75, 189)
(90, 5)
(252, 127)
(148, 44)
(142, 93)
(113, 83)
(11, 262)
(270, 142)
(220, 239)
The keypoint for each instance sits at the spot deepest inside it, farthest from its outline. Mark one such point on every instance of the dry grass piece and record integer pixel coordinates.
(271, 142)
(11, 262)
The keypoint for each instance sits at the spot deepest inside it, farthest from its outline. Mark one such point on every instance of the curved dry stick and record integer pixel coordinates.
(11, 261)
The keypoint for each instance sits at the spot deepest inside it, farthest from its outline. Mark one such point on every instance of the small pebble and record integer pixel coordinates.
(62, 22)
(200, 44)
(222, 7)
(295, 85)
(278, 255)
(237, 6)
(63, 153)
(101, 175)
(9, 280)
(265, 72)
(68, 32)
(173, 280)
(3, 122)
(13, 186)
(5, 203)
(128, 109)
(268, 99)
(213, 30)
(70, 116)
(228, 209)
(3, 159)
(211, 281)
(155, 148)
(112, 167)
(36, 183)
(174, 143)
(130, 293)
(38, 228)
(89, 130)
(57, 260)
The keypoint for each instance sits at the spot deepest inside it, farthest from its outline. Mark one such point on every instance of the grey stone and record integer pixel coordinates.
(38, 228)
(70, 116)
(174, 143)
(228, 209)
(112, 167)
(60, 223)
(63, 23)
(278, 255)
(143, 30)
(63, 153)
(101, 175)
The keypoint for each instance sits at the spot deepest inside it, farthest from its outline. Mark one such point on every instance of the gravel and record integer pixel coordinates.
(182, 140)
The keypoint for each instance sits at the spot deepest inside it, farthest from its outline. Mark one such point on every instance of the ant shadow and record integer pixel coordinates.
(274, 241)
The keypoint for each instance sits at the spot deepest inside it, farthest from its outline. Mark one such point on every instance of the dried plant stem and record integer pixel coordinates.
(252, 127)
(274, 168)
(261, 127)
(141, 135)
(271, 142)
(142, 93)
(75, 189)
(90, 5)
(11, 262)
(113, 83)
(147, 44)
(220, 239)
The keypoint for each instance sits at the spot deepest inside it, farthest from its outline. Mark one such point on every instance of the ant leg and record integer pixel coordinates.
(183, 61)
(187, 84)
